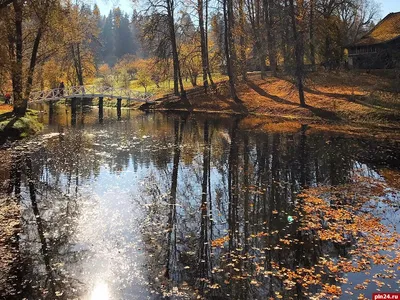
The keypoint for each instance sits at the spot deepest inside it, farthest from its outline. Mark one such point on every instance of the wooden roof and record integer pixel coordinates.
(386, 30)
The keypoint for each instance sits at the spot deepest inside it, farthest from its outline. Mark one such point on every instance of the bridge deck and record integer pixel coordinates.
(90, 91)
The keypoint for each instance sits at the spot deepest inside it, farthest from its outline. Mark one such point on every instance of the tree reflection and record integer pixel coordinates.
(262, 181)
(15, 176)
(204, 263)
(172, 254)
(43, 249)
(215, 201)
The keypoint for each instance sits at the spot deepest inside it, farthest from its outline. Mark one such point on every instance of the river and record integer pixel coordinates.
(156, 206)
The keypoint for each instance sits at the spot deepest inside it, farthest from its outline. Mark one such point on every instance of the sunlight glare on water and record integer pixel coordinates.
(101, 291)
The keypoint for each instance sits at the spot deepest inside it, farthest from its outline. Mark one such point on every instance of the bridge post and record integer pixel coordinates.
(119, 100)
(51, 112)
(73, 111)
(100, 109)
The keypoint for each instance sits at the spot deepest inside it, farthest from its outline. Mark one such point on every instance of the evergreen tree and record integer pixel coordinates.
(107, 40)
(123, 34)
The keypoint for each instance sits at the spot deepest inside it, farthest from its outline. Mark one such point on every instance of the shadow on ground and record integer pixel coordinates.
(8, 132)
(319, 112)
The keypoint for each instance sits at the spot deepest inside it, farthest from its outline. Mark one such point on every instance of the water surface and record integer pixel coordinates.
(153, 206)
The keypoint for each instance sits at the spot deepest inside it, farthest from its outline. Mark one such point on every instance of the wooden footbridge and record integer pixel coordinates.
(90, 91)
(75, 93)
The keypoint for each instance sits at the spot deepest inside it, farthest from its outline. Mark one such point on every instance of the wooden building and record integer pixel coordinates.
(380, 48)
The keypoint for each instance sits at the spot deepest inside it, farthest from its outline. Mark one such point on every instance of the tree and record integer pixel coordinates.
(144, 79)
(107, 40)
(269, 13)
(297, 15)
(42, 11)
(203, 43)
(192, 60)
(230, 52)
(312, 33)
(242, 41)
(160, 25)
(15, 40)
(256, 19)
(357, 18)
(170, 5)
(218, 40)
(80, 30)
(123, 34)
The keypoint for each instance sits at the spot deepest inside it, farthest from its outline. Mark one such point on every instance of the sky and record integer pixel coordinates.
(106, 5)
(127, 6)
(389, 6)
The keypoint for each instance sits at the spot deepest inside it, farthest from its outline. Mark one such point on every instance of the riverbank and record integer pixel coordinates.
(332, 97)
(10, 224)
(12, 127)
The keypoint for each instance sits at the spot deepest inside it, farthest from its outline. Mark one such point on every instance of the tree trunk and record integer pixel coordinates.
(204, 236)
(327, 51)
(76, 54)
(255, 13)
(33, 63)
(286, 37)
(269, 22)
(40, 226)
(175, 57)
(202, 44)
(312, 45)
(206, 40)
(20, 105)
(242, 21)
(261, 57)
(229, 52)
(299, 53)
(233, 188)
(193, 79)
(179, 126)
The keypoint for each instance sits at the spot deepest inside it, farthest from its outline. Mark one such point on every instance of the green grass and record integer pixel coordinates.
(165, 87)
(21, 127)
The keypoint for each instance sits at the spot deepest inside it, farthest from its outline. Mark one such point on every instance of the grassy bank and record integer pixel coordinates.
(331, 97)
(12, 127)
(164, 87)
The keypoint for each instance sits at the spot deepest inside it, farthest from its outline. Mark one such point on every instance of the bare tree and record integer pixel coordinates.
(357, 17)
(20, 105)
(269, 7)
(164, 11)
(230, 52)
(203, 42)
(255, 15)
(296, 15)
(41, 9)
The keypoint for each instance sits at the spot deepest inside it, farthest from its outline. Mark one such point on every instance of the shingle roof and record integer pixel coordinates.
(385, 31)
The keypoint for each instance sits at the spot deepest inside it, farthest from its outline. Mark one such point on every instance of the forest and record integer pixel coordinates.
(46, 42)
(200, 149)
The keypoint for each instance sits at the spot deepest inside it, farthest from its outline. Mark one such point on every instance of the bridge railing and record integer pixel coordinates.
(89, 91)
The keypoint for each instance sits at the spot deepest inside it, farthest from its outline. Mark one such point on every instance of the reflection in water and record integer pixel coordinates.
(156, 206)
(100, 292)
